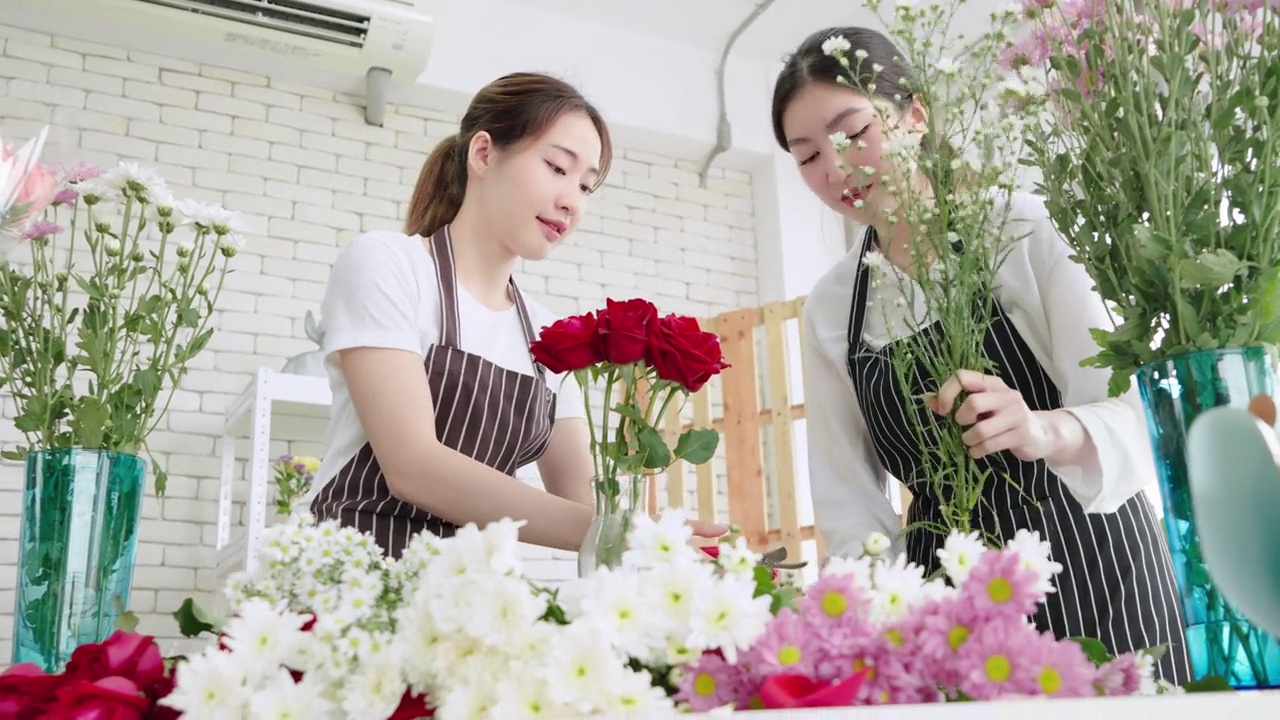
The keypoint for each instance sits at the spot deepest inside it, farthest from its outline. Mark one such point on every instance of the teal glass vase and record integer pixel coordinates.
(79, 539)
(1175, 391)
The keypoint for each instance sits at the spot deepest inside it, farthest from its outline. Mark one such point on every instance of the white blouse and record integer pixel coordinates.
(1051, 301)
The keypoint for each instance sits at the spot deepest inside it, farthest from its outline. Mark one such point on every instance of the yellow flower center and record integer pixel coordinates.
(1000, 590)
(834, 604)
(789, 655)
(998, 668)
(704, 685)
(895, 637)
(957, 636)
(1050, 681)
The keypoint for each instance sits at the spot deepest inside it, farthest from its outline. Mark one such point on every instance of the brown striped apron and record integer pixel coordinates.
(493, 415)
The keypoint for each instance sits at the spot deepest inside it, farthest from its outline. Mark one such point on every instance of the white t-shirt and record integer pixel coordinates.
(383, 293)
(1051, 302)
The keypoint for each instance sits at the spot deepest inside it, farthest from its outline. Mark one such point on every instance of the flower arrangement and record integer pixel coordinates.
(293, 477)
(627, 346)
(327, 627)
(948, 192)
(97, 331)
(1155, 140)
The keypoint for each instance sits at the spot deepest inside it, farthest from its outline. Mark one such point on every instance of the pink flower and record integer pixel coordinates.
(1059, 668)
(66, 196)
(788, 645)
(41, 228)
(1121, 676)
(712, 682)
(83, 171)
(995, 661)
(834, 599)
(944, 627)
(1000, 585)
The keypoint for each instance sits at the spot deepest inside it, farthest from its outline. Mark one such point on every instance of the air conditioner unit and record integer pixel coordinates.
(348, 46)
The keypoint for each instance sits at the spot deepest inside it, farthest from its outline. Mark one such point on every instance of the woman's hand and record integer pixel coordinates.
(996, 415)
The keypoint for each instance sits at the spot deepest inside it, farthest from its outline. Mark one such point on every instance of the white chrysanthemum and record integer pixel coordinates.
(634, 696)
(899, 586)
(474, 700)
(730, 619)
(209, 686)
(211, 217)
(582, 669)
(876, 544)
(614, 602)
(738, 559)
(139, 181)
(1035, 555)
(659, 543)
(280, 698)
(261, 636)
(378, 684)
(859, 569)
(959, 554)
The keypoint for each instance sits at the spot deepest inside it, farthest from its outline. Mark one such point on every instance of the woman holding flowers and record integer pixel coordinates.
(436, 398)
(1067, 461)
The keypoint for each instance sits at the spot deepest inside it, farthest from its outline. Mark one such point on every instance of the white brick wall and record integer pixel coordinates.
(309, 175)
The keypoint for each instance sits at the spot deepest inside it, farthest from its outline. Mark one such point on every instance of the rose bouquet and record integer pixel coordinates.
(26, 187)
(626, 346)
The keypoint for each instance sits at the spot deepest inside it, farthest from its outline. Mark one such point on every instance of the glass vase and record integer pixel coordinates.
(1175, 391)
(80, 512)
(617, 502)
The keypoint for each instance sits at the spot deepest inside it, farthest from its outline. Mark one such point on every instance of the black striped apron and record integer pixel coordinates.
(496, 416)
(1117, 582)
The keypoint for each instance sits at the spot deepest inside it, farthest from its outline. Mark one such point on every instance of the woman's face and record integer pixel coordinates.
(850, 182)
(539, 188)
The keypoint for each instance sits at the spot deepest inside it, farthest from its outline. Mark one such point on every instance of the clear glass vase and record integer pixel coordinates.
(1175, 391)
(617, 502)
(79, 538)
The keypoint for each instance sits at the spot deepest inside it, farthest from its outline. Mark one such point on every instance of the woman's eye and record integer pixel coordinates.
(809, 159)
(861, 132)
(558, 170)
(586, 189)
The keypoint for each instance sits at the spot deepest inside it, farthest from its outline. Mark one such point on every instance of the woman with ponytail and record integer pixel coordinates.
(436, 399)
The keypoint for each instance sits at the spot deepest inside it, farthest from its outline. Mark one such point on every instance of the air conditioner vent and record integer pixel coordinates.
(290, 16)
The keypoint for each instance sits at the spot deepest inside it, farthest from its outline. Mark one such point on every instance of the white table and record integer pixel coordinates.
(1200, 706)
(272, 401)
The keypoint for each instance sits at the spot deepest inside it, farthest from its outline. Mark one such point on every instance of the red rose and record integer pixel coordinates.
(569, 344)
(412, 707)
(111, 698)
(27, 692)
(797, 691)
(626, 327)
(684, 353)
(123, 654)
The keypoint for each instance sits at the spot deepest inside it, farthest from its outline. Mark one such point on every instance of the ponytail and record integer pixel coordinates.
(437, 196)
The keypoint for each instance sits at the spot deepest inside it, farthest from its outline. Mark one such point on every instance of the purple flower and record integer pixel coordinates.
(66, 196)
(40, 229)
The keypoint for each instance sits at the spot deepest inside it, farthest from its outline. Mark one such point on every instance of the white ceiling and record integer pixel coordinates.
(708, 23)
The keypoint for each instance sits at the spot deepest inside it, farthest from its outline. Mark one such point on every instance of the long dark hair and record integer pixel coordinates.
(882, 73)
(512, 109)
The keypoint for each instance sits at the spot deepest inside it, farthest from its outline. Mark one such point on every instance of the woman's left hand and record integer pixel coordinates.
(996, 415)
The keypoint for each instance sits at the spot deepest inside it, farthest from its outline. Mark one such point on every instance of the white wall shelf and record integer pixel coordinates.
(272, 403)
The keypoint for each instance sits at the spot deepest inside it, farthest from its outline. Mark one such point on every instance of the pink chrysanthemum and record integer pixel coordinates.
(788, 645)
(1059, 668)
(66, 196)
(944, 627)
(83, 171)
(887, 657)
(40, 229)
(1000, 585)
(712, 682)
(994, 662)
(1121, 676)
(833, 599)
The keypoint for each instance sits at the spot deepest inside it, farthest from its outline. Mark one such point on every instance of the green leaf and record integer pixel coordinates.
(128, 622)
(162, 481)
(192, 621)
(89, 422)
(783, 597)
(1093, 649)
(764, 581)
(656, 453)
(1214, 268)
(1208, 683)
(697, 446)
(630, 412)
(13, 454)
